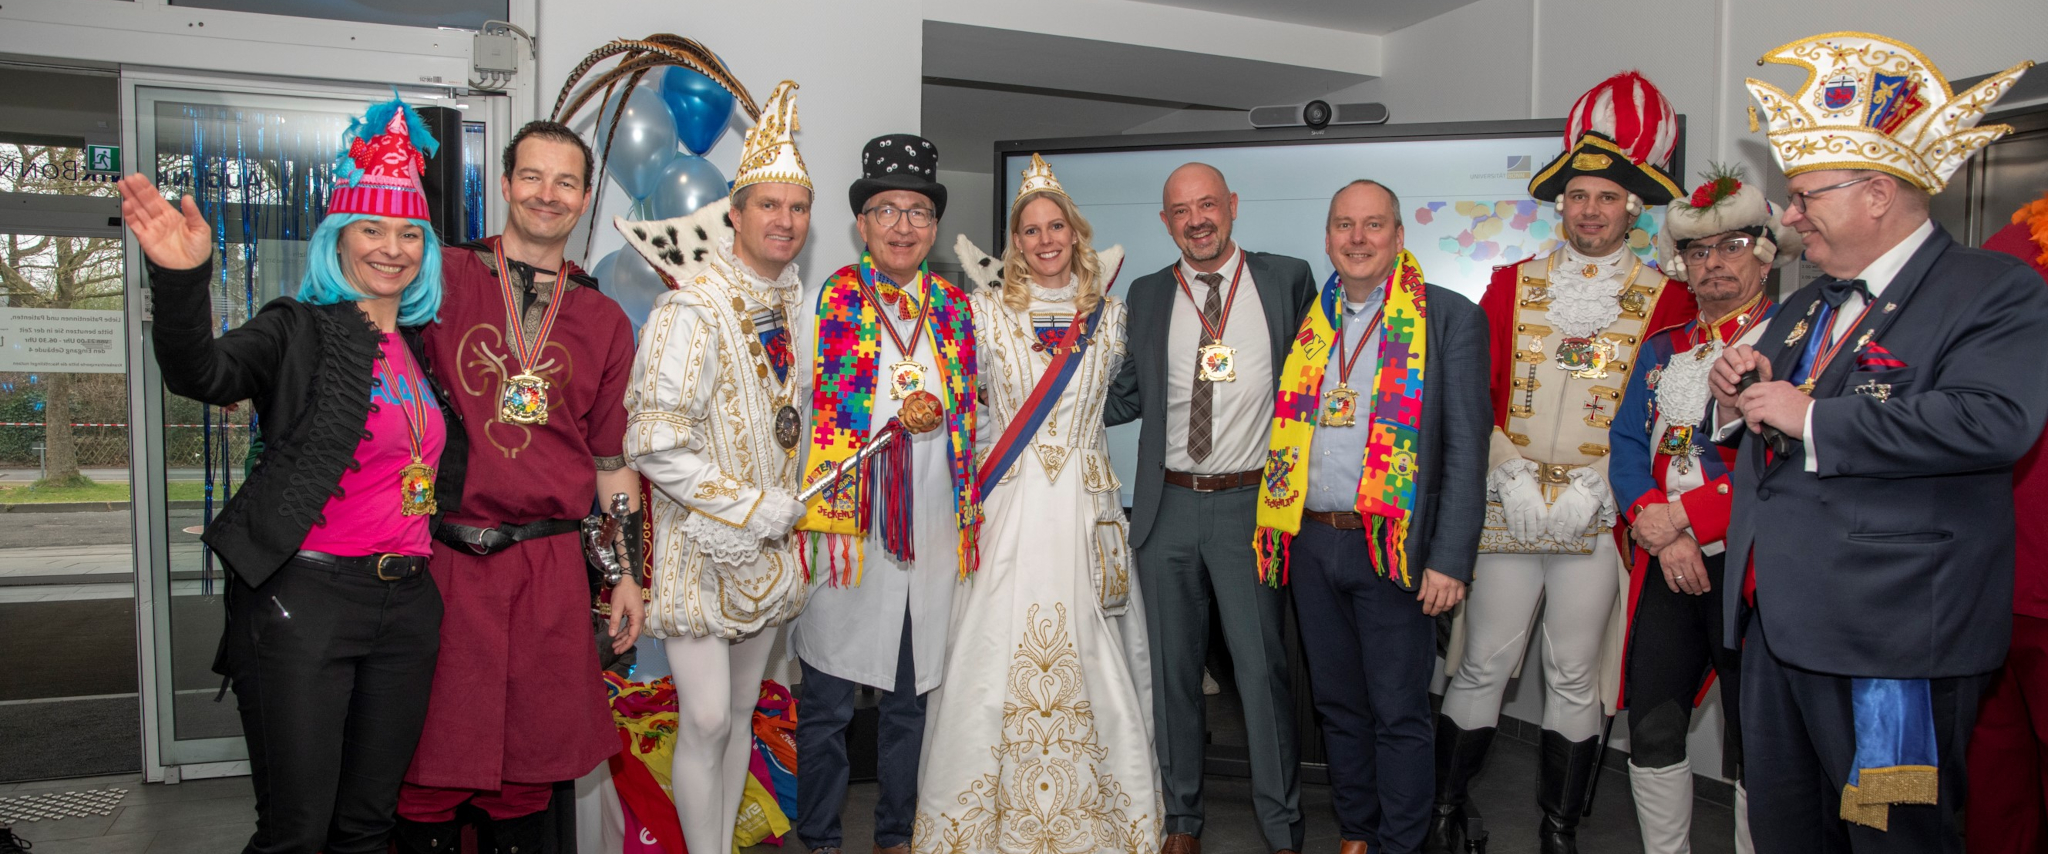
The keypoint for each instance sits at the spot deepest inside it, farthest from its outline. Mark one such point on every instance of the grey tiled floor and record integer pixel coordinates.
(211, 816)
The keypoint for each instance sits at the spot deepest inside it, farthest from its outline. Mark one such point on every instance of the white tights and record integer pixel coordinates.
(718, 683)
(1577, 593)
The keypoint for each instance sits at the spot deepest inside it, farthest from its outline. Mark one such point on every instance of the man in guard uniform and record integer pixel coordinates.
(537, 362)
(1721, 243)
(1566, 328)
(1873, 491)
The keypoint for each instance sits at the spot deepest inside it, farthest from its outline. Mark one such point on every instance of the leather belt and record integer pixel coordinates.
(383, 567)
(485, 541)
(1214, 482)
(1343, 521)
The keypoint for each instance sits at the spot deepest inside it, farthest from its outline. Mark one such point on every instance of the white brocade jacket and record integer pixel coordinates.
(702, 413)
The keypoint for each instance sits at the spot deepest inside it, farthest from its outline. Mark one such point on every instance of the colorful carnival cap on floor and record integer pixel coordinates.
(1622, 130)
(379, 173)
(1873, 103)
(1721, 205)
(1038, 178)
(770, 153)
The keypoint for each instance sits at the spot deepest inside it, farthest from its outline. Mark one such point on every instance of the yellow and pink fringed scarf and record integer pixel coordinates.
(1386, 494)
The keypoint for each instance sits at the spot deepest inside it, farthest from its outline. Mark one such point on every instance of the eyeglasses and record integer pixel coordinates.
(888, 214)
(1730, 249)
(1798, 200)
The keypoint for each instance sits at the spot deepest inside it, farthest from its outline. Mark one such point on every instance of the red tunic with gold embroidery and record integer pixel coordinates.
(516, 694)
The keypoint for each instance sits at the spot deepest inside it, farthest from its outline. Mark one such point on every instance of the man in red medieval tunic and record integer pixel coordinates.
(516, 703)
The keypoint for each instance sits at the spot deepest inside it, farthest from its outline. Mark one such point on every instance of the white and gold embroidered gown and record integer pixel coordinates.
(1039, 739)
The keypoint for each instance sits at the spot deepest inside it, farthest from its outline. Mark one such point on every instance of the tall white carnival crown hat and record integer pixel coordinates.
(1038, 178)
(1873, 103)
(770, 151)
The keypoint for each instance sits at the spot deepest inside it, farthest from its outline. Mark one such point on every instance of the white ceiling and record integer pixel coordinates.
(965, 123)
(1377, 17)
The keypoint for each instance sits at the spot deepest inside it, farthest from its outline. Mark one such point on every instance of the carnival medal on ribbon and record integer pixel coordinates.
(523, 399)
(416, 479)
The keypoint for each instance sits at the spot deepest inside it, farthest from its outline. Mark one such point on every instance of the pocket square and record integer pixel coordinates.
(1876, 358)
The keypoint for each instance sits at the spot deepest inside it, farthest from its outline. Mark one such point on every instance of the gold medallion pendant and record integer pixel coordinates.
(904, 379)
(1216, 363)
(788, 427)
(523, 400)
(416, 490)
(1340, 407)
(1633, 302)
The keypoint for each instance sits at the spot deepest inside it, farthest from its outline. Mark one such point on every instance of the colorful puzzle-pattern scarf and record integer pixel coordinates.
(843, 371)
(1386, 494)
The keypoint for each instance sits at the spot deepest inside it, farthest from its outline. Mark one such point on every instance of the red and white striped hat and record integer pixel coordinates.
(1622, 130)
(379, 173)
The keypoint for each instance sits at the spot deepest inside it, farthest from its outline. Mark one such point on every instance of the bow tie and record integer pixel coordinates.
(1837, 291)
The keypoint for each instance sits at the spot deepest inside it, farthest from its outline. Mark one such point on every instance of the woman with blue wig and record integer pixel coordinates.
(333, 622)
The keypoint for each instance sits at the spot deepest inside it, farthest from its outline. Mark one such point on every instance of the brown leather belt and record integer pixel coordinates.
(1213, 482)
(1343, 521)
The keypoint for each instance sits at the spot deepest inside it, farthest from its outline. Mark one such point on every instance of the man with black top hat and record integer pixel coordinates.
(885, 342)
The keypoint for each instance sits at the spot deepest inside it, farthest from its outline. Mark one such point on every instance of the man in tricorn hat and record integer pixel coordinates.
(887, 341)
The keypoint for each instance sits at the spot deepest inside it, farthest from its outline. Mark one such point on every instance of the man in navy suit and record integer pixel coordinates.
(1207, 337)
(1879, 532)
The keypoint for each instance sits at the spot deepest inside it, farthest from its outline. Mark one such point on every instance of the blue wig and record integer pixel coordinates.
(325, 283)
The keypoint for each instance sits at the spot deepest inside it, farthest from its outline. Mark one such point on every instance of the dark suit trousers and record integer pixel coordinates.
(1370, 650)
(822, 771)
(331, 673)
(1798, 741)
(1201, 551)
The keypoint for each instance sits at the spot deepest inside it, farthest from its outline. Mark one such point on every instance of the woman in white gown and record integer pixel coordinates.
(1039, 738)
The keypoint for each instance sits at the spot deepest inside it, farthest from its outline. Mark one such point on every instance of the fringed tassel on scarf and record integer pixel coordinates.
(1271, 550)
(969, 550)
(893, 484)
(1387, 544)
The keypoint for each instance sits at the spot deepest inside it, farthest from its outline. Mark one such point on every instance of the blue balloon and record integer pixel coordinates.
(701, 107)
(688, 183)
(631, 282)
(645, 141)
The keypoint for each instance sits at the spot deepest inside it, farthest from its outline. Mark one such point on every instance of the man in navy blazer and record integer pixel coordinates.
(1207, 337)
(1908, 381)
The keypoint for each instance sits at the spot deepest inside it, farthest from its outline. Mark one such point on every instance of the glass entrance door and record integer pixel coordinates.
(259, 164)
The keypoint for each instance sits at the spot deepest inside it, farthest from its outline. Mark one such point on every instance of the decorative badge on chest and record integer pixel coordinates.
(524, 400)
(788, 427)
(1340, 407)
(416, 490)
(905, 378)
(1586, 358)
(1216, 363)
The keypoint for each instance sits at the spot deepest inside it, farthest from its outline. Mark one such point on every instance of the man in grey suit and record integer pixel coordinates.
(1207, 336)
(1372, 613)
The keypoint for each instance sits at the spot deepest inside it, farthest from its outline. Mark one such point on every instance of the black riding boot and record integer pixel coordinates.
(1561, 789)
(1459, 753)
(427, 837)
(522, 835)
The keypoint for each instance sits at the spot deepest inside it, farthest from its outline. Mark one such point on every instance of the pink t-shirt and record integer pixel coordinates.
(366, 518)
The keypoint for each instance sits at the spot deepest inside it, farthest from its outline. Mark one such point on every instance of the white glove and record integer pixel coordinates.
(1586, 501)
(1513, 484)
(777, 515)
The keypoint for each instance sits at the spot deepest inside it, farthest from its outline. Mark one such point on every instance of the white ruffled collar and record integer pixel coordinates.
(1065, 294)
(784, 290)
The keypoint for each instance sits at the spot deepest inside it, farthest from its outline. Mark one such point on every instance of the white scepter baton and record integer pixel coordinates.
(881, 439)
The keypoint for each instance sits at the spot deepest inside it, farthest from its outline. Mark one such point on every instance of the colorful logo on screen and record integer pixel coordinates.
(379, 173)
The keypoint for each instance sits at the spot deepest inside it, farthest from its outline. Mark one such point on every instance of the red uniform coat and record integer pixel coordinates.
(2030, 477)
(517, 696)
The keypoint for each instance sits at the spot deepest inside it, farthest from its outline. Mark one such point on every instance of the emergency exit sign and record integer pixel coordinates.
(103, 158)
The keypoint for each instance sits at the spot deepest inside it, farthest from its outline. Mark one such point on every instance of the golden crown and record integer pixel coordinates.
(770, 151)
(1039, 178)
(1873, 103)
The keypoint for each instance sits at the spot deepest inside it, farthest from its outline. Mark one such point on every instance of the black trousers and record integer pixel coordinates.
(1799, 741)
(1370, 650)
(331, 672)
(822, 772)
(1675, 638)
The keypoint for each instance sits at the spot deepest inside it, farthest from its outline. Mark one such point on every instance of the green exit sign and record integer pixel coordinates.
(103, 158)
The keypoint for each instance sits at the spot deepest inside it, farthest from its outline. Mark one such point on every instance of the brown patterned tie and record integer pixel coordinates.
(1199, 426)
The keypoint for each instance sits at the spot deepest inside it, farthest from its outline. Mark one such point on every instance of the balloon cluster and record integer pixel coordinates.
(661, 108)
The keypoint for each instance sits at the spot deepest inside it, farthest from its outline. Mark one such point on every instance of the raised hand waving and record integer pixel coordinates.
(172, 238)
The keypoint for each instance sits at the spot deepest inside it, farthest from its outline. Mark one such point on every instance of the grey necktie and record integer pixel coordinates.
(1199, 422)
